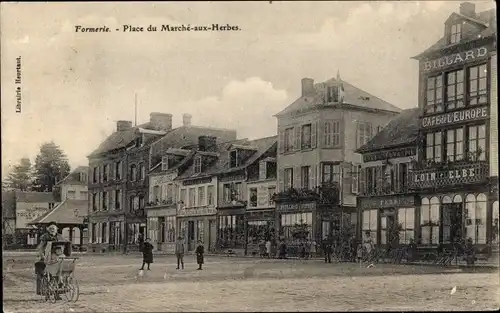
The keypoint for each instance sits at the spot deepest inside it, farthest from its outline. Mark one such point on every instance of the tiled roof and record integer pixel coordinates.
(73, 178)
(68, 212)
(400, 131)
(8, 204)
(483, 19)
(352, 96)
(35, 197)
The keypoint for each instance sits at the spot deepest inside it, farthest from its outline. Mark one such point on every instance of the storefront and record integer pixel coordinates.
(161, 227)
(197, 224)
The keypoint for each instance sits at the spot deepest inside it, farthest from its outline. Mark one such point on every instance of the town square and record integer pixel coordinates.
(230, 164)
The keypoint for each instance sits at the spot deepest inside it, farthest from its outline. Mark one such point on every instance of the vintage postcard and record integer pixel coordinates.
(249, 156)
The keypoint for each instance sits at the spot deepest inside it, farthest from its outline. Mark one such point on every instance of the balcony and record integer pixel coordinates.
(324, 194)
(449, 174)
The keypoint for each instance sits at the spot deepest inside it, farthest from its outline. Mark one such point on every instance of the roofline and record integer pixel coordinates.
(346, 105)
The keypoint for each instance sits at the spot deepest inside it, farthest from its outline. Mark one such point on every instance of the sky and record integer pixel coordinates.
(75, 86)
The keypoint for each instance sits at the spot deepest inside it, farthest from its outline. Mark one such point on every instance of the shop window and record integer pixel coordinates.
(429, 221)
(455, 144)
(406, 217)
(475, 227)
(433, 147)
(477, 142)
(494, 229)
(326, 229)
(455, 90)
(291, 223)
(478, 89)
(434, 101)
(162, 229)
(231, 231)
(258, 231)
(370, 224)
(104, 233)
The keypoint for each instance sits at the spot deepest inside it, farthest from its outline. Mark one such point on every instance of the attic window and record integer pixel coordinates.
(233, 159)
(455, 33)
(197, 164)
(164, 163)
(83, 177)
(262, 170)
(332, 94)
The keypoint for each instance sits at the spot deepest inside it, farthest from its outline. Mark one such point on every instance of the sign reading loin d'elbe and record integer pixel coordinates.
(454, 59)
(471, 173)
(471, 114)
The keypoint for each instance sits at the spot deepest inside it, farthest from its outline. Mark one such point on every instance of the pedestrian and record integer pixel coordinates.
(200, 250)
(282, 249)
(147, 254)
(327, 249)
(359, 253)
(308, 249)
(268, 248)
(368, 244)
(262, 248)
(313, 249)
(179, 252)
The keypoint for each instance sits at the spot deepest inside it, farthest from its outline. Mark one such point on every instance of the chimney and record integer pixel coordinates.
(161, 121)
(186, 119)
(123, 125)
(207, 143)
(307, 87)
(468, 9)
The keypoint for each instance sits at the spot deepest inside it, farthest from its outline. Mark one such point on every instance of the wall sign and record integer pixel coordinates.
(296, 207)
(196, 211)
(387, 202)
(472, 114)
(198, 181)
(454, 59)
(28, 215)
(161, 179)
(470, 173)
(390, 154)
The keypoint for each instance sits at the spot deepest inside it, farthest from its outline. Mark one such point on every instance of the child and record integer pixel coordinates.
(200, 250)
(359, 253)
(57, 255)
(147, 253)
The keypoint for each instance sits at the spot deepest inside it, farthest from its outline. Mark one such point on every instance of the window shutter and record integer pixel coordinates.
(296, 177)
(314, 134)
(312, 176)
(281, 142)
(297, 137)
(281, 179)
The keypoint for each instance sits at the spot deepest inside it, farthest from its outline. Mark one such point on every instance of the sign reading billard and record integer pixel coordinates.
(387, 202)
(454, 59)
(296, 207)
(391, 154)
(472, 114)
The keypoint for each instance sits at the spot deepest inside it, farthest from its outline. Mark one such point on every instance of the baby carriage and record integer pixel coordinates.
(56, 273)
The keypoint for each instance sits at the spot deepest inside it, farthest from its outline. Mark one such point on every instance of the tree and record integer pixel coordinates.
(21, 176)
(51, 165)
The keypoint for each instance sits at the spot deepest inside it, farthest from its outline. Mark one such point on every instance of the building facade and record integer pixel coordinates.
(29, 207)
(457, 169)
(387, 208)
(317, 138)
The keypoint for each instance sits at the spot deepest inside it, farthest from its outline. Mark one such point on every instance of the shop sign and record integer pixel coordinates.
(454, 59)
(391, 154)
(200, 211)
(470, 173)
(198, 181)
(28, 215)
(387, 202)
(472, 114)
(295, 207)
(161, 212)
(161, 179)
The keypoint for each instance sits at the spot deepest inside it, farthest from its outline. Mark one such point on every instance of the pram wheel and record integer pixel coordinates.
(71, 289)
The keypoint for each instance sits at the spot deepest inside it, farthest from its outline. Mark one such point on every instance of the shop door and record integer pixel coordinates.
(191, 236)
(456, 221)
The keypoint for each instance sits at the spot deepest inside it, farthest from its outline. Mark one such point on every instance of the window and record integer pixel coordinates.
(93, 238)
(456, 33)
(238, 191)
(118, 199)
(133, 172)
(433, 147)
(142, 171)
(197, 164)
(201, 196)
(332, 94)
(406, 217)
(118, 170)
(271, 191)
(288, 144)
(306, 136)
(170, 193)
(330, 173)
(104, 233)
(141, 202)
(94, 175)
(210, 195)
(370, 223)
(94, 202)
(429, 221)
(475, 227)
(105, 200)
(164, 163)
(231, 231)
(289, 224)
(192, 197)
(332, 134)
(455, 144)
(226, 193)
(253, 197)
(355, 168)
(233, 159)
(105, 173)
(71, 194)
(288, 179)
(364, 133)
(304, 176)
(83, 177)
(262, 170)
(156, 194)
(477, 142)
(494, 229)
(183, 196)
(478, 91)
(455, 90)
(434, 94)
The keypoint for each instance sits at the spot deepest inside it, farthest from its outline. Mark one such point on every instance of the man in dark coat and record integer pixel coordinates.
(200, 250)
(327, 249)
(147, 253)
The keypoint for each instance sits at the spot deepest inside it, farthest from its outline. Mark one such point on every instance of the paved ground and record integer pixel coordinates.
(111, 284)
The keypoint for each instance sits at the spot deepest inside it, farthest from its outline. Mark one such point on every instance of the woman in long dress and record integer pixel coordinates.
(200, 250)
(368, 243)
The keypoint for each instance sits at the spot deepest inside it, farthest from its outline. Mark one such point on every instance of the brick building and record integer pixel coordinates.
(318, 135)
(457, 170)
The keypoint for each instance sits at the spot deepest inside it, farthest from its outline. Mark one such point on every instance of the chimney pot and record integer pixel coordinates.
(468, 9)
(123, 125)
(307, 87)
(186, 119)
(161, 121)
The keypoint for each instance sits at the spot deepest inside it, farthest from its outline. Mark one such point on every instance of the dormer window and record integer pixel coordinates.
(455, 33)
(83, 177)
(332, 94)
(197, 164)
(234, 159)
(262, 170)
(164, 163)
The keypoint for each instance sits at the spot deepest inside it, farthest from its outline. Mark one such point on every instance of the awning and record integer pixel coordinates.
(68, 212)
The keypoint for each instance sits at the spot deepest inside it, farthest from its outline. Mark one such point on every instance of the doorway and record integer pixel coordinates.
(452, 222)
(387, 223)
(190, 235)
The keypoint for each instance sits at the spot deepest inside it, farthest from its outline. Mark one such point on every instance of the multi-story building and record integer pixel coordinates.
(384, 200)
(318, 135)
(457, 169)
(119, 186)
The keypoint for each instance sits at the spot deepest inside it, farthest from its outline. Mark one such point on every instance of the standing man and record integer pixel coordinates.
(179, 252)
(327, 249)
